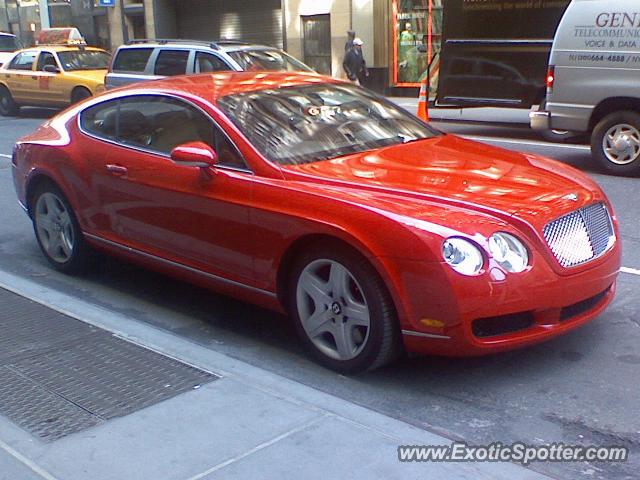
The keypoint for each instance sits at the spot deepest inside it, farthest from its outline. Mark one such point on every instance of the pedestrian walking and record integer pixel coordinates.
(354, 63)
(351, 35)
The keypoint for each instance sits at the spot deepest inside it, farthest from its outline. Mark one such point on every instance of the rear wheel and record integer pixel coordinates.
(78, 94)
(57, 230)
(615, 143)
(343, 311)
(8, 107)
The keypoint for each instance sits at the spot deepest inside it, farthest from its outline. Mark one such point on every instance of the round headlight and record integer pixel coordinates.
(509, 252)
(463, 256)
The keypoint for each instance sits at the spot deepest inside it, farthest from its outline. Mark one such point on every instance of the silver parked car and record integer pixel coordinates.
(153, 59)
(593, 82)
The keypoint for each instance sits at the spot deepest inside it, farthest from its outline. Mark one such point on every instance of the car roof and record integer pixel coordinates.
(60, 48)
(212, 86)
(220, 45)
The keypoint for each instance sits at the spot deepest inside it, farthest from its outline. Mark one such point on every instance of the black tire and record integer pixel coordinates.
(73, 254)
(628, 162)
(382, 343)
(78, 94)
(8, 107)
(562, 136)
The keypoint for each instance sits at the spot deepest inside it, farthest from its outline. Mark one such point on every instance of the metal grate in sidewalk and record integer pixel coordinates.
(59, 376)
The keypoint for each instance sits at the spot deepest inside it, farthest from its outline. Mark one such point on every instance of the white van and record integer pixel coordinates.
(593, 82)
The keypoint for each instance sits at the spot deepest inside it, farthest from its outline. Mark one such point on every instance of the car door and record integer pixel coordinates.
(19, 76)
(182, 214)
(49, 85)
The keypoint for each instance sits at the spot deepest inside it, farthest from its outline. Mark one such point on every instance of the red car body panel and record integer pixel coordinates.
(235, 231)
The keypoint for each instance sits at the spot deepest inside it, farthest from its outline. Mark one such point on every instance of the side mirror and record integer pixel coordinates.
(51, 69)
(194, 154)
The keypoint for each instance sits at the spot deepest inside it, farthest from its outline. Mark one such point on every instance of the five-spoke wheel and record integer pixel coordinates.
(343, 310)
(57, 229)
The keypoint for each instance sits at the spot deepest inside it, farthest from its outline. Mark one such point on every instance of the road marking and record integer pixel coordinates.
(632, 271)
(25, 461)
(527, 142)
(4, 155)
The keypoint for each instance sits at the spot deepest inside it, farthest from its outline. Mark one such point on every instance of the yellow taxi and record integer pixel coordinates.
(52, 75)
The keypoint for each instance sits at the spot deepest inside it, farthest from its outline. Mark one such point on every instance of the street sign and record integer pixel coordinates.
(106, 3)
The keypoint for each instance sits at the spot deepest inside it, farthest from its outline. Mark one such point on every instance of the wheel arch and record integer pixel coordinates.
(612, 105)
(303, 243)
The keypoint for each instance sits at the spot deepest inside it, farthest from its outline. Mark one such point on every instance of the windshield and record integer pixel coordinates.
(84, 60)
(302, 124)
(272, 60)
(9, 43)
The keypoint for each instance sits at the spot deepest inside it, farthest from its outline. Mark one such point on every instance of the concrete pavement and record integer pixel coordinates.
(248, 424)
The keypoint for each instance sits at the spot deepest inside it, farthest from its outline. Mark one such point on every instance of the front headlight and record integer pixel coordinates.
(509, 252)
(463, 256)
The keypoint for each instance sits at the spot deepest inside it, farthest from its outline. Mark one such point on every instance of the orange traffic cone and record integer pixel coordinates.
(423, 100)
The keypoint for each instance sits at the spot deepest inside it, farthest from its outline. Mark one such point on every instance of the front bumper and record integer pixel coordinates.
(453, 315)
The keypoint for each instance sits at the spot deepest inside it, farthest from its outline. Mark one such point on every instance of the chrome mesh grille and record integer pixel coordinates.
(580, 236)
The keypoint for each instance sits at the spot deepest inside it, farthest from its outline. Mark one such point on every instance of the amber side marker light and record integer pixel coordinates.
(429, 322)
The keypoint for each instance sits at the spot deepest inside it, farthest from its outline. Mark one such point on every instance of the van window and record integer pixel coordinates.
(132, 59)
(172, 62)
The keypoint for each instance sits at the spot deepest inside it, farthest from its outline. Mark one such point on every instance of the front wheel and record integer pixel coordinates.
(57, 230)
(343, 311)
(615, 143)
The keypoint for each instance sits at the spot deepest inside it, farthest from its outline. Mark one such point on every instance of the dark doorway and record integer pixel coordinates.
(316, 31)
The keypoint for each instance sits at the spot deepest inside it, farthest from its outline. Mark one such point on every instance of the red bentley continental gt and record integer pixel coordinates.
(304, 194)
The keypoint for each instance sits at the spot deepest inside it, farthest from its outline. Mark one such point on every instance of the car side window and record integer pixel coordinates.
(23, 61)
(132, 60)
(171, 62)
(228, 154)
(158, 124)
(207, 62)
(101, 120)
(46, 58)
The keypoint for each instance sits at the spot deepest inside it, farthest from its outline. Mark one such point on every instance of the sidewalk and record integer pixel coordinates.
(247, 424)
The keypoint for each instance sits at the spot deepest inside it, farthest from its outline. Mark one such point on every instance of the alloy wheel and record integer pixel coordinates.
(332, 309)
(54, 227)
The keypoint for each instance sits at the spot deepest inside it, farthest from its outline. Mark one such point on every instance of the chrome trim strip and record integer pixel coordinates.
(413, 333)
(154, 152)
(179, 265)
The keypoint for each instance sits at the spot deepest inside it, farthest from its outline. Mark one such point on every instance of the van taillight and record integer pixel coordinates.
(551, 76)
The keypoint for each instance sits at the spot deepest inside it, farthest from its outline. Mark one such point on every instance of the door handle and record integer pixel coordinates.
(34, 77)
(116, 169)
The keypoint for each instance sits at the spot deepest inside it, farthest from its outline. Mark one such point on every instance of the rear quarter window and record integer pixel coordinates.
(132, 59)
(101, 119)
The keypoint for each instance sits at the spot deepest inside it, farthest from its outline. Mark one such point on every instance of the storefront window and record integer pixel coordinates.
(417, 36)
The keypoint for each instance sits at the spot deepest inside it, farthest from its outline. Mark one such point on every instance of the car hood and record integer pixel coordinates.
(452, 170)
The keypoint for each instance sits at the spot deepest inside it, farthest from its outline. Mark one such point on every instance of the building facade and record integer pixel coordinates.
(401, 37)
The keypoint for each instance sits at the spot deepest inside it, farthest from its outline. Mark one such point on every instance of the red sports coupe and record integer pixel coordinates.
(305, 194)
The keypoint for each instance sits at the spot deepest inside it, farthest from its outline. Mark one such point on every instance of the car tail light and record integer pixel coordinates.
(551, 76)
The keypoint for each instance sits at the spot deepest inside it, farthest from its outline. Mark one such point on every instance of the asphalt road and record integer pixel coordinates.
(582, 388)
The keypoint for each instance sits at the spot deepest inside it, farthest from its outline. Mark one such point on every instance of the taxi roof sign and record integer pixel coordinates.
(60, 36)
